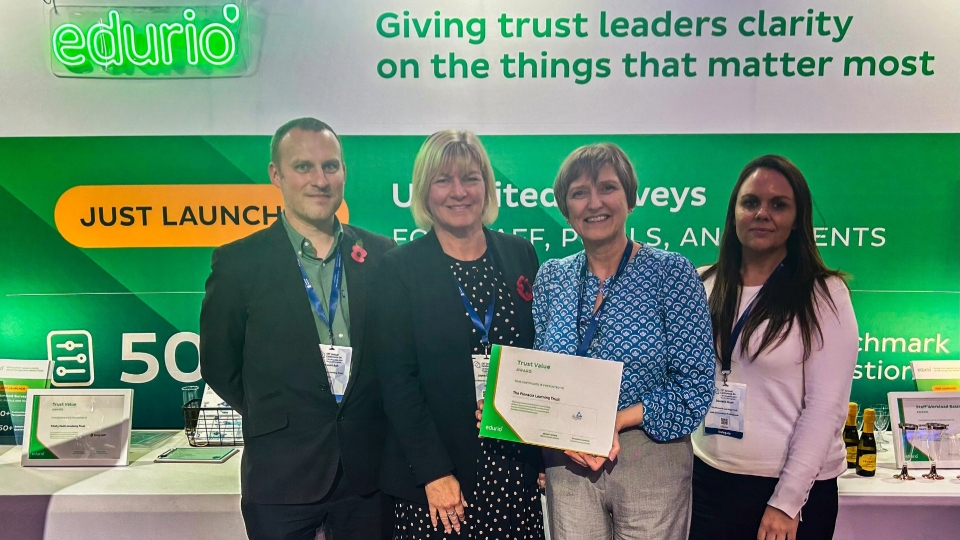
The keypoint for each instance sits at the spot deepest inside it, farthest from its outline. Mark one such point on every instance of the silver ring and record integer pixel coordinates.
(451, 513)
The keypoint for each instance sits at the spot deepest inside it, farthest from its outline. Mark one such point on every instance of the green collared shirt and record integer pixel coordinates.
(320, 273)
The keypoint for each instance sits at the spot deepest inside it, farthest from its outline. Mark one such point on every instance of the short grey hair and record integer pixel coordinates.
(589, 160)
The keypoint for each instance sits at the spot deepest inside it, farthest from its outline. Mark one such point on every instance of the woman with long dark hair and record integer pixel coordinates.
(786, 339)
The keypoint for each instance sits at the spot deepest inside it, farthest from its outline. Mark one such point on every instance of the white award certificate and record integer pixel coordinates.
(77, 427)
(551, 400)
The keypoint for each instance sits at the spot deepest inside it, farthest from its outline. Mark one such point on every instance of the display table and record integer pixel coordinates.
(143, 500)
(884, 507)
(199, 500)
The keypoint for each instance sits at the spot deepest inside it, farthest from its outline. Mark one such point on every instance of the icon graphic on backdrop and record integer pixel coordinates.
(71, 355)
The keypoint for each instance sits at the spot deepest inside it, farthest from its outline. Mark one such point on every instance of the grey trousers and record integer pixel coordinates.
(644, 494)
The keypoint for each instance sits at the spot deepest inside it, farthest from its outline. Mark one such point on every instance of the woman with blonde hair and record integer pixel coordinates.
(445, 298)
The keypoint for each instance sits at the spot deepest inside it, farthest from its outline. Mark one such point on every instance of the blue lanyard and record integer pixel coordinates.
(585, 340)
(738, 328)
(334, 293)
(482, 327)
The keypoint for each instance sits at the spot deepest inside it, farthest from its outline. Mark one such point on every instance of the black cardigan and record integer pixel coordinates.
(420, 341)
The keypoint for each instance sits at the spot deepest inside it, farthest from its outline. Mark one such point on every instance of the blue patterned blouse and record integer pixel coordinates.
(656, 321)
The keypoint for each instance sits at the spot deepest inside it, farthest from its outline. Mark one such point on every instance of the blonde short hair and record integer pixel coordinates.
(440, 152)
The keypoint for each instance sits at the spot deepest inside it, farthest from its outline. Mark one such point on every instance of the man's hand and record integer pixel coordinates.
(446, 502)
(776, 525)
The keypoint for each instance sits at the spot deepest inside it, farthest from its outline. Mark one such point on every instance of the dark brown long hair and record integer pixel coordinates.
(789, 295)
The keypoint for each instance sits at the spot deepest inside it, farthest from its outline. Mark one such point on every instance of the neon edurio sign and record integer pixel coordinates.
(206, 41)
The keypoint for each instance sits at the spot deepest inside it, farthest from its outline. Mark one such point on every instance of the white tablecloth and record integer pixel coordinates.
(183, 501)
(883, 507)
(143, 500)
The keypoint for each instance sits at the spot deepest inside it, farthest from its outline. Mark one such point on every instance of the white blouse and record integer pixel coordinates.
(795, 410)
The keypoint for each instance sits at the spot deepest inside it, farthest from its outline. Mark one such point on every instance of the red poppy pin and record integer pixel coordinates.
(524, 289)
(358, 253)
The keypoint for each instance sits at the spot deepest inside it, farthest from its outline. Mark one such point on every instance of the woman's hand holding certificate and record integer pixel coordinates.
(630, 417)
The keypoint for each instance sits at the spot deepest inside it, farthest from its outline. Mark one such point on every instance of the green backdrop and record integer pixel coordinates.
(902, 191)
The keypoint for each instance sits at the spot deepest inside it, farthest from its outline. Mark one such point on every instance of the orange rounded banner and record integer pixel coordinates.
(167, 215)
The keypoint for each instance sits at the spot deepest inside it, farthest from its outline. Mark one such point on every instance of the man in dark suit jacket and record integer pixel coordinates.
(281, 333)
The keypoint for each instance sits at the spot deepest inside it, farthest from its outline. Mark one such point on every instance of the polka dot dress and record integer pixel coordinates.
(505, 502)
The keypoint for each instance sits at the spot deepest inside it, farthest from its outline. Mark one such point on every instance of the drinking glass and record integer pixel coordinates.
(190, 393)
(921, 440)
(935, 433)
(881, 423)
(908, 433)
(952, 447)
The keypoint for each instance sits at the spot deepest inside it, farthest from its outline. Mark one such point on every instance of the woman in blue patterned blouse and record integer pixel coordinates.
(626, 302)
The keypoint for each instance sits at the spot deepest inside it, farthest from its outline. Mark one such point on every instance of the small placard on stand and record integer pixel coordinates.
(16, 378)
(936, 375)
(77, 427)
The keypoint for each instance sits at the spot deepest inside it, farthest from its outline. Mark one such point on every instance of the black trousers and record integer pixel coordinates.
(730, 506)
(341, 514)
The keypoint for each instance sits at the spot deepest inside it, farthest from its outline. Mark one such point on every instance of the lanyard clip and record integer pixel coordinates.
(725, 372)
(486, 348)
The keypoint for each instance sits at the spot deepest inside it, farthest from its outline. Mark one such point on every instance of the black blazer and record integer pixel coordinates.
(259, 350)
(422, 349)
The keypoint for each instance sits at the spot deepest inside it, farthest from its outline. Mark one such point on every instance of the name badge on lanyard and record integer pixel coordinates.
(727, 414)
(336, 359)
(481, 362)
(481, 365)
